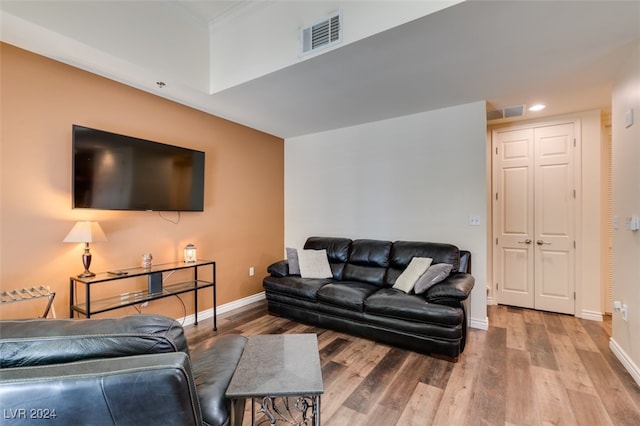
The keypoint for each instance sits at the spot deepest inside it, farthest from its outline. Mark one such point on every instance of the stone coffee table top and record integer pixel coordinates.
(278, 365)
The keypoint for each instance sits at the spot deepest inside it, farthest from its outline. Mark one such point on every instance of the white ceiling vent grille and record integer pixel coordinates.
(322, 34)
(508, 112)
(495, 114)
(514, 111)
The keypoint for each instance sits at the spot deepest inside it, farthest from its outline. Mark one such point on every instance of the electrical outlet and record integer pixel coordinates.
(252, 271)
(622, 308)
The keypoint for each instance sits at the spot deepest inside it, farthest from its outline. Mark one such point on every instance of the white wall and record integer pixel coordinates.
(417, 177)
(264, 37)
(626, 202)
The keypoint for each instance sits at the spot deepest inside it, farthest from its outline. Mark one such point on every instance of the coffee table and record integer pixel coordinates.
(281, 372)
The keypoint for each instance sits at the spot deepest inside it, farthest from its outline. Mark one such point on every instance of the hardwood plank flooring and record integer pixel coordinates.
(529, 368)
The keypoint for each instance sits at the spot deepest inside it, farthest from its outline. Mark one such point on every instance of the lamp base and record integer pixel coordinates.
(86, 262)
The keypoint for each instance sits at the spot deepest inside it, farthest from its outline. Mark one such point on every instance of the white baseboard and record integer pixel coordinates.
(206, 314)
(625, 360)
(481, 324)
(591, 315)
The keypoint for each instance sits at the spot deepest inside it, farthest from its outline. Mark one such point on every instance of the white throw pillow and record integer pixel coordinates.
(409, 276)
(314, 264)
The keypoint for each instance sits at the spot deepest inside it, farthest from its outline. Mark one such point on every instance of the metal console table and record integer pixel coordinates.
(156, 290)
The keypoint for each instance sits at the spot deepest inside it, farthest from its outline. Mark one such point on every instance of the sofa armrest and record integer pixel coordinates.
(214, 361)
(136, 390)
(465, 261)
(279, 269)
(55, 341)
(456, 287)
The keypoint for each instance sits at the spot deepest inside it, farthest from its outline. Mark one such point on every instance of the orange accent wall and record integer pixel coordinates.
(243, 220)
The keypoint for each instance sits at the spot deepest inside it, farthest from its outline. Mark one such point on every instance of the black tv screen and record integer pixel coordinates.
(117, 172)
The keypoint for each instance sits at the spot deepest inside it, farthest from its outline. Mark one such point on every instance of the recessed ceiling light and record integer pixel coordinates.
(537, 107)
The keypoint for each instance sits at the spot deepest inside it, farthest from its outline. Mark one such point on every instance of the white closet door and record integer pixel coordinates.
(513, 216)
(554, 219)
(534, 217)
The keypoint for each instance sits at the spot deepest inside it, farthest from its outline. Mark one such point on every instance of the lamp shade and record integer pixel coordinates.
(85, 232)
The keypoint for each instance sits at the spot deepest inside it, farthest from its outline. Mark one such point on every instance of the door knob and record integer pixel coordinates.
(540, 242)
(527, 241)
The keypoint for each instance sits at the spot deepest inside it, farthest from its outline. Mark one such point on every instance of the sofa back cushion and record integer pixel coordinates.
(368, 261)
(403, 251)
(337, 251)
(42, 342)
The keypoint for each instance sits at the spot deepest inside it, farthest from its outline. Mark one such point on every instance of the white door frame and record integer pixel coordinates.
(577, 173)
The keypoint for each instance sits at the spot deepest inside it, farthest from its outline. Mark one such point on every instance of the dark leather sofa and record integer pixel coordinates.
(360, 299)
(135, 370)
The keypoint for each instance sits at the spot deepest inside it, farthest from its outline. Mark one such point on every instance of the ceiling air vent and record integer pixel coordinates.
(495, 114)
(514, 111)
(508, 112)
(322, 34)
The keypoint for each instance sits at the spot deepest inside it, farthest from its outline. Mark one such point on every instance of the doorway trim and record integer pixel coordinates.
(588, 127)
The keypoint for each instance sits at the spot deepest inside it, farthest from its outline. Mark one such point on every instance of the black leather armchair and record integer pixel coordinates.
(134, 370)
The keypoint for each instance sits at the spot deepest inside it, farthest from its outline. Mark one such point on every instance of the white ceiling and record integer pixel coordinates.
(211, 10)
(563, 53)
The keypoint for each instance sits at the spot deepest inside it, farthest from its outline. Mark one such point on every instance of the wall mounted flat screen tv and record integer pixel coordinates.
(117, 172)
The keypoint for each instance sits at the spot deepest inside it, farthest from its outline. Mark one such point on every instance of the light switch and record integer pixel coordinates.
(474, 220)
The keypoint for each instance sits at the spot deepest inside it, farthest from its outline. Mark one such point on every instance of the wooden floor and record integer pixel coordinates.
(529, 368)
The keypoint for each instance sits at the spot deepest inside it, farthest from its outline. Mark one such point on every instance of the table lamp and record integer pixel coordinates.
(85, 232)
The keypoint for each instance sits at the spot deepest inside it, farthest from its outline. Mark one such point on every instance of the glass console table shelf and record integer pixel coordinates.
(90, 307)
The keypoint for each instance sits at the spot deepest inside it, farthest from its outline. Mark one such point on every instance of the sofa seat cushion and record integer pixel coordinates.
(304, 288)
(348, 294)
(393, 303)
